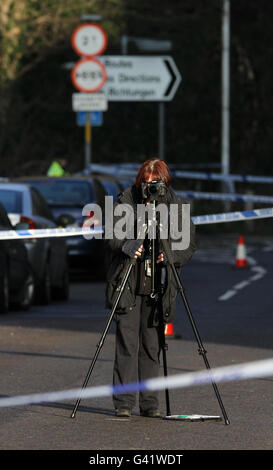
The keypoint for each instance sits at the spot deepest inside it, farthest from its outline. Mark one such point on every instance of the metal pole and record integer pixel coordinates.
(225, 150)
(88, 132)
(161, 126)
(124, 44)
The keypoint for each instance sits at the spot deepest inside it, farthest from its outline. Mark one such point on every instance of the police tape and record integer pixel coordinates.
(130, 170)
(225, 197)
(245, 371)
(49, 233)
(91, 233)
(222, 177)
(233, 216)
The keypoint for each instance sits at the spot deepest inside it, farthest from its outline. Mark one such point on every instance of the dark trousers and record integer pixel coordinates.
(137, 354)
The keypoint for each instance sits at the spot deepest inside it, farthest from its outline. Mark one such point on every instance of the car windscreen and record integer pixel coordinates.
(65, 193)
(111, 188)
(11, 200)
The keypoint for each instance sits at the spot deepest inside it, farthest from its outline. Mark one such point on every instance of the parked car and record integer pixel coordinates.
(48, 257)
(111, 186)
(124, 183)
(16, 277)
(66, 197)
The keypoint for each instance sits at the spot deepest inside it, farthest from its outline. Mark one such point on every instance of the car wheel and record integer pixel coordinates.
(4, 293)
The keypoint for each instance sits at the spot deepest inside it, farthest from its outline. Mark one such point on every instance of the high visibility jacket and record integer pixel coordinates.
(56, 169)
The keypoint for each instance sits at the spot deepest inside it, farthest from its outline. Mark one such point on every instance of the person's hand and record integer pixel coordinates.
(132, 247)
(160, 258)
(138, 252)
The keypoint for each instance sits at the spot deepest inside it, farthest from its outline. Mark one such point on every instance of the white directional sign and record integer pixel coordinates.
(89, 101)
(140, 78)
(89, 40)
(88, 75)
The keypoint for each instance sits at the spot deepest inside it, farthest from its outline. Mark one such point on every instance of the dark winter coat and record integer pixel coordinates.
(117, 261)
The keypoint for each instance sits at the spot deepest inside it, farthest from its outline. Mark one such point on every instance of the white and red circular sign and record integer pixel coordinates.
(88, 75)
(89, 40)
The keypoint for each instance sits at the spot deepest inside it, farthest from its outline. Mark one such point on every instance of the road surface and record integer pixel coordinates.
(50, 349)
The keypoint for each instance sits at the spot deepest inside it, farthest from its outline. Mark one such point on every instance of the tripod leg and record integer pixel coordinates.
(164, 355)
(99, 346)
(201, 349)
(101, 342)
(163, 344)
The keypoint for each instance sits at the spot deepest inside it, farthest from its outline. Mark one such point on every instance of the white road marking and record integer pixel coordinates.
(241, 285)
(227, 295)
(226, 255)
(261, 272)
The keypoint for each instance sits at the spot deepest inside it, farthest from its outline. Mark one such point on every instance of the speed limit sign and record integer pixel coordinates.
(89, 40)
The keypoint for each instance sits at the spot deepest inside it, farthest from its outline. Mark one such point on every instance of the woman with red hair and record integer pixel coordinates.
(156, 169)
(138, 324)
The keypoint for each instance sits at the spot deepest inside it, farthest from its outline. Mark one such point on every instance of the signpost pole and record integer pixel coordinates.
(88, 140)
(161, 129)
(225, 157)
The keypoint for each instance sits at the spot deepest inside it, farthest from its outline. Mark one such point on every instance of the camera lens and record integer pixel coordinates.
(153, 189)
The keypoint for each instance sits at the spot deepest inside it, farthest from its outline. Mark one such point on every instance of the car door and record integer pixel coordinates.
(18, 267)
(56, 245)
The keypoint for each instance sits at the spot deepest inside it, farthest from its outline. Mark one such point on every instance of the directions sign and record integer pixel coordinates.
(140, 78)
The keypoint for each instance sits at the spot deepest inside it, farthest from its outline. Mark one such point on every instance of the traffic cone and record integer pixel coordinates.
(241, 261)
(169, 330)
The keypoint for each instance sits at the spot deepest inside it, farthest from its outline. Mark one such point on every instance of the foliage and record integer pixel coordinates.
(36, 118)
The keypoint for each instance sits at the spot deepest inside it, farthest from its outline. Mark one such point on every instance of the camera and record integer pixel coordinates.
(153, 190)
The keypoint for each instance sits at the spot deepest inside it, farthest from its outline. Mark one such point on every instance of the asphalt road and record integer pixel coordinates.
(50, 348)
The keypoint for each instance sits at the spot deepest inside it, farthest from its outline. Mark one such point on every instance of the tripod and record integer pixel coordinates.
(120, 289)
(164, 346)
(201, 349)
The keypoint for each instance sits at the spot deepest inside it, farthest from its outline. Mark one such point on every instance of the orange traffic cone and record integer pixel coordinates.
(241, 261)
(169, 330)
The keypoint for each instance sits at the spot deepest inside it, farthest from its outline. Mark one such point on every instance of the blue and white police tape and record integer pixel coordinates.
(49, 233)
(226, 197)
(233, 216)
(130, 170)
(245, 371)
(222, 177)
(112, 170)
(135, 166)
(77, 231)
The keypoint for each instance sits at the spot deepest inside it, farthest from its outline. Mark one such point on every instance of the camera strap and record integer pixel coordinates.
(148, 267)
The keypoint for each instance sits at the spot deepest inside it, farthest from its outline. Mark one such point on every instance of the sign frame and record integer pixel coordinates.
(99, 30)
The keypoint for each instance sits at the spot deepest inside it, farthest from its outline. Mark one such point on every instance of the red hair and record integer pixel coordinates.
(155, 167)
